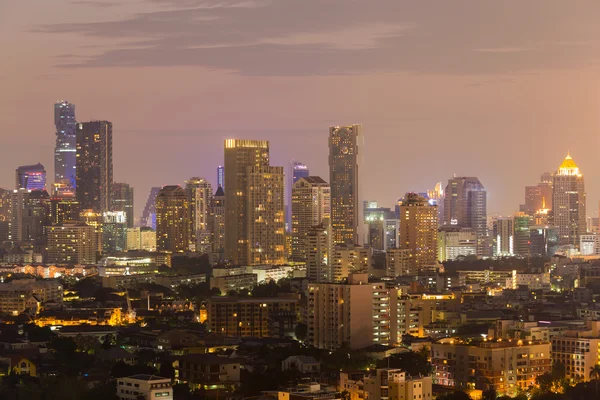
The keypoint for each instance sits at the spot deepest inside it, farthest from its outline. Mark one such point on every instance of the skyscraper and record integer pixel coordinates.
(65, 149)
(30, 215)
(30, 177)
(94, 165)
(172, 219)
(310, 203)
(5, 214)
(221, 177)
(465, 206)
(199, 192)
(569, 203)
(538, 197)
(240, 156)
(503, 237)
(63, 209)
(149, 214)
(122, 200)
(418, 230)
(217, 222)
(296, 171)
(319, 252)
(346, 204)
(114, 229)
(265, 216)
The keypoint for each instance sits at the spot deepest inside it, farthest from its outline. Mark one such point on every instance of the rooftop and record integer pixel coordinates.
(145, 377)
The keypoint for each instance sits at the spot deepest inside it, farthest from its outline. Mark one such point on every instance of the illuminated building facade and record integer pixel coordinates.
(71, 243)
(199, 192)
(569, 203)
(30, 215)
(221, 177)
(64, 208)
(149, 214)
(172, 219)
(65, 148)
(265, 215)
(94, 170)
(296, 171)
(122, 200)
(311, 204)
(240, 155)
(382, 226)
(456, 242)
(114, 229)
(344, 164)
(521, 222)
(319, 252)
(503, 237)
(95, 220)
(142, 238)
(538, 197)
(465, 206)
(217, 222)
(30, 177)
(398, 262)
(436, 196)
(5, 214)
(418, 230)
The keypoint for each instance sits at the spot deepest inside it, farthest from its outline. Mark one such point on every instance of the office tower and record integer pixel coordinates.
(569, 203)
(456, 242)
(465, 206)
(63, 209)
(436, 196)
(503, 237)
(349, 259)
(30, 177)
(538, 197)
(296, 171)
(5, 214)
(149, 214)
(346, 204)
(418, 230)
(122, 200)
(142, 238)
(221, 177)
(382, 226)
(94, 170)
(356, 313)
(199, 192)
(265, 216)
(521, 222)
(172, 219)
(398, 262)
(30, 211)
(71, 243)
(310, 204)
(319, 252)
(217, 222)
(65, 149)
(240, 155)
(114, 229)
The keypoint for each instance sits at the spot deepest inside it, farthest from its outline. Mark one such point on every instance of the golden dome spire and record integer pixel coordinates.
(568, 166)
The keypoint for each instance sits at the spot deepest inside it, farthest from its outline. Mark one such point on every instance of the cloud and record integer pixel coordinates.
(96, 3)
(315, 37)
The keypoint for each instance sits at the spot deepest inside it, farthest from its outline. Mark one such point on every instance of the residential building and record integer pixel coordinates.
(71, 243)
(143, 238)
(311, 204)
(418, 230)
(345, 143)
(504, 237)
(122, 200)
(394, 384)
(114, 232)
(349, 259)
(569, 203)
(589, 245)
(521, 242)
(64, 207)
(319, 252)
(398, 262)
(456, 242)
(217, 222)
(94, 169)
(237, 282)
(209, 372)
(65, 149)
(199, 192)
(295, 171)
(144, 386)
(30, 214)
(302, 364)
(20, 295)
(578, 350)
(172, 219)
(30, 177)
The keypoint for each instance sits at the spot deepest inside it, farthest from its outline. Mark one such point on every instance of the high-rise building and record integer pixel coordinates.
(265, 215)
(465, 206)
(221, 177)
(521, 222)
(344, 164)
(569, 203)
(94, 170)
(398, 262)
(436, 196)
(199, 192)
(503, 237)
(30, 177)
(172, 219)
(65, 149)
(240, 155)
(5, 214)
(95, 220)
(71, 243)
(217, 222)
(456, 242)
(350, 259)
(418, 230)
(319, 252)
(149, 214)
(63, 209)
(311, 204)
(382, 226)
(538, 197)
(114, 229)
(143, 238)
(122, 200)
(30, 215)
(296, 171)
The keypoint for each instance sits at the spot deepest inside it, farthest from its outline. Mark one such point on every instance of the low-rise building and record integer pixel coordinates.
(208, 371)
(302, 364)
(20, 295)
(578, 350)
(394, 384)
(144, 386)
(234, 282)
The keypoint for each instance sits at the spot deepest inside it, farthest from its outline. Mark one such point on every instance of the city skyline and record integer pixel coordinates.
(522, 88)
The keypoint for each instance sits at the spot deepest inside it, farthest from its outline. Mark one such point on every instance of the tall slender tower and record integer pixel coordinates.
(240, 157)
(465, 206)
(65, 148)
(122, 200)
(346, 204)
(172, 219)
(217, 222)
(296, 171)
(199, 192)
(221, 177)
(569, 203)
(94, 165)
(311, 204)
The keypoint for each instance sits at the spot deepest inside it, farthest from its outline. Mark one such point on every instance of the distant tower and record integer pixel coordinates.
(217, 221)
(437, 197)
(199, 192)
(311, 204)
(221, 177)
(296, 171)
(569, 203)
(172, 219)
(122, 200)
(346, 204)
(94, 165)
(465, 206)
(149, 214)
(503, 237)
(31, 177)
(65, 149)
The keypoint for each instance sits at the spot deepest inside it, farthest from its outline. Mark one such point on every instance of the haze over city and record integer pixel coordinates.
(498, 90)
